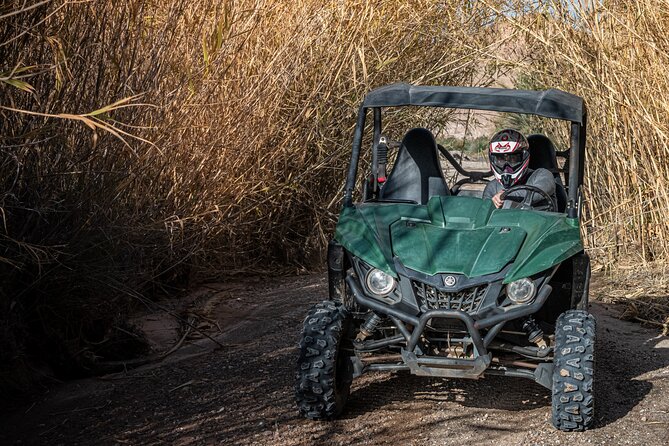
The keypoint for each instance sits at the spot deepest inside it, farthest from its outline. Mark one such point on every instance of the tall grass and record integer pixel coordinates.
(147, 141)
(614, 54)
(238, 154)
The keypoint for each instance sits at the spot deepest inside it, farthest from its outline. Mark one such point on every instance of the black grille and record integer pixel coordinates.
(468, 300)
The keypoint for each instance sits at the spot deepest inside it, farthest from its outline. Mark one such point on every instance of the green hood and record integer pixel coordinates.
(461, 235)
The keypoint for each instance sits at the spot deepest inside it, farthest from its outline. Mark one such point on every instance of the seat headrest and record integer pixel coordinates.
(542, 153)
(416, 174)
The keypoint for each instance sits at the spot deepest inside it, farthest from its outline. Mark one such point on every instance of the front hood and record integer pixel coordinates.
(432, 249)
(460, 235)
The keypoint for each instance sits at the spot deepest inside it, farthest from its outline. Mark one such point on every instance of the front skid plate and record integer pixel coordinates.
(446, 367)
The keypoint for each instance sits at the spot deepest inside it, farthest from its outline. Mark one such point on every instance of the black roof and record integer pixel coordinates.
(549, 103)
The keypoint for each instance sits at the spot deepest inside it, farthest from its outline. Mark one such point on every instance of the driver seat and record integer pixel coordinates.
(416, 174)
(542, 155)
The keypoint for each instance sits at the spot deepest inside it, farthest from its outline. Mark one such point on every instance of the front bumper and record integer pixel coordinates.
(412, 328)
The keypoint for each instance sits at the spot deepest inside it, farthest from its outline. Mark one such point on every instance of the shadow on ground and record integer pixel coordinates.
(624, 353)
(243, 393)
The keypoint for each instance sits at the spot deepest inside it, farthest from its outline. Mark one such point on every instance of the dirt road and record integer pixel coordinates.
(242, 393)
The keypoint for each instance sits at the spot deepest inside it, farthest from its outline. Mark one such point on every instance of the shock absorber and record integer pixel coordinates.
(534, 332)
(367, 328)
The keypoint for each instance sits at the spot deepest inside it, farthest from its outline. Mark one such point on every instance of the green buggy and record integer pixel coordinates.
(436, 281)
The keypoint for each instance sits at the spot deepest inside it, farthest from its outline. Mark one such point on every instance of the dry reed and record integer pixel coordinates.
(252, 108)
(614, 54)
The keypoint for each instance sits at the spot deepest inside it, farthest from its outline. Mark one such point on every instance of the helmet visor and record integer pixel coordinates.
(513, 160)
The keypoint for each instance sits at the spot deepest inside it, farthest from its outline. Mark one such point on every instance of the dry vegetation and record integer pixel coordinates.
(642, 291)
(614, 54)
(248, 107)
(147, 140)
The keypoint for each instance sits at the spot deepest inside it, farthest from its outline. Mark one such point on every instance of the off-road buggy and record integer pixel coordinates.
(427, 279)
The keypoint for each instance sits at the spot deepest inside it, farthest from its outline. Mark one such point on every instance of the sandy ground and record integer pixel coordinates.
(242, 392)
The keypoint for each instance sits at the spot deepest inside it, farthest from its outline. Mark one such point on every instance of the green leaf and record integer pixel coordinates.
(21, 85)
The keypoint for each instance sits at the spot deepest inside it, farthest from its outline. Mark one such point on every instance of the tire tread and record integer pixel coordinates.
(319, 393)
(573, 373)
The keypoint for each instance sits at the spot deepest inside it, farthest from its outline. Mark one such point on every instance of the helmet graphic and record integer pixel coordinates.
(509, 156)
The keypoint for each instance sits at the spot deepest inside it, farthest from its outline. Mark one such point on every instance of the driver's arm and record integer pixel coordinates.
(492, 191)
(544, 180)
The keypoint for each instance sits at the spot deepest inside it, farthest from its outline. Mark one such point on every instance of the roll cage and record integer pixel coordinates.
(551, 103)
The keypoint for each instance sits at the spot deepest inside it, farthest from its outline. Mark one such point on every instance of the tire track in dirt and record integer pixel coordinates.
(243, 393)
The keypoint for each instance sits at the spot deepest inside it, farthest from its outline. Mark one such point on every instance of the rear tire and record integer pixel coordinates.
(324, 370)
(573, 372)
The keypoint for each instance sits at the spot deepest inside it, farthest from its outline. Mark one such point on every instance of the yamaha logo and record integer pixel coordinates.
(450, 280)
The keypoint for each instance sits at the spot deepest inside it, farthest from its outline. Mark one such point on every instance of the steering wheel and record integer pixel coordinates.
(526, 203)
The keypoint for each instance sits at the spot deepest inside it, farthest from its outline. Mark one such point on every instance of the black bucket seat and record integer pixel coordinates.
(542, 155)
(416, 175)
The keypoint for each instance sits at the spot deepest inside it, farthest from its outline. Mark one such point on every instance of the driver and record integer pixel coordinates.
(509, 157)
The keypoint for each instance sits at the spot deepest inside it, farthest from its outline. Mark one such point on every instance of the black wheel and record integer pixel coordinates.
(324, 370)
(573, 373)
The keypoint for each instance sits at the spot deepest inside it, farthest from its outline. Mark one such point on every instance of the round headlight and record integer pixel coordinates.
(379, 282)
(521, 291)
